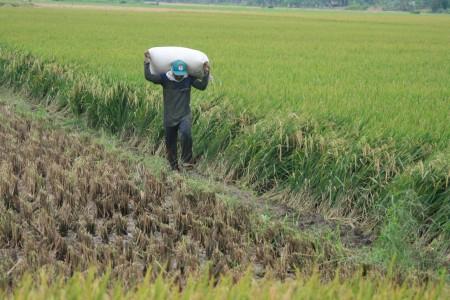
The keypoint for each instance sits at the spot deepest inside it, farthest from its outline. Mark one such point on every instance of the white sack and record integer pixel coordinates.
(162, 57)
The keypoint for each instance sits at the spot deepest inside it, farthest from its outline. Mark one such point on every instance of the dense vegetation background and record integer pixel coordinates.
(406, 5)
(402, 5)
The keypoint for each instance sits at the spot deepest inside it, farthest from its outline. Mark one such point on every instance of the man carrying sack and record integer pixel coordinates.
(176, 85)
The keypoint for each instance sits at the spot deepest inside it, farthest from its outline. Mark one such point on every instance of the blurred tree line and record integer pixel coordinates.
(405, 5)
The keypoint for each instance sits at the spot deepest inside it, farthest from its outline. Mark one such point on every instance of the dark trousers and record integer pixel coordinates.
(184, 128)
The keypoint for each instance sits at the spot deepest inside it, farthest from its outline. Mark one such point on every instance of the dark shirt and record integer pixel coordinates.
(176, 94)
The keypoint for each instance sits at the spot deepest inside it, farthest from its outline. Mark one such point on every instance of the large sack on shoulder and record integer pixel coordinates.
(162, 58)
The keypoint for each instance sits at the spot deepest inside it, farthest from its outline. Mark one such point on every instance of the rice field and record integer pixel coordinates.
(341, 114)
(385, 73)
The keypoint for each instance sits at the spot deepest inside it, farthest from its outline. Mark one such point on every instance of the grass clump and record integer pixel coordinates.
(91, 286)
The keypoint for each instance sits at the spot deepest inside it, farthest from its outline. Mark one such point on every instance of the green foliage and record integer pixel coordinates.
(439, 5)
(417, 226)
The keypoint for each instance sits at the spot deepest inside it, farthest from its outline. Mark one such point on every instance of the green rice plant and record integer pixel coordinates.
(93, 286)
(385, 72)
(417, 226)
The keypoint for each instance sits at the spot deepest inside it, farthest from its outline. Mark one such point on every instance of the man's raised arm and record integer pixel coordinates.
(203, 83)
(155, 78)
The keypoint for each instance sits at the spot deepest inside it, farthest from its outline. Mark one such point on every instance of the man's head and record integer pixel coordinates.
(179, 69)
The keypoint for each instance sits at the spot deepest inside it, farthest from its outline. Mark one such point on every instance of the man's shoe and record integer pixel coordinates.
(188, 166)
(175, 168)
